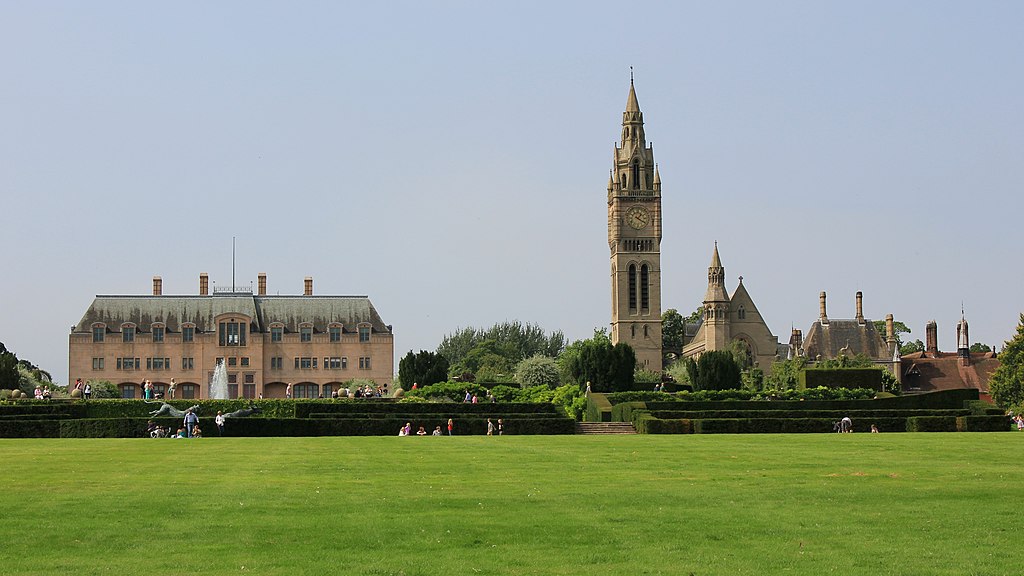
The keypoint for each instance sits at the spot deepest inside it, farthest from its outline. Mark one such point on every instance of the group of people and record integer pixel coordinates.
(43, 393)
(491, 429)
(1017, 419)
(86, 388)
(845, 426)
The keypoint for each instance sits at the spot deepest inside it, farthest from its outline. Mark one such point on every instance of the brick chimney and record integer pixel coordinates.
(204, 284)
(821, 303)
(261, 283)
(860, 308)
(931, 347)
(309, 286)
(158, 286)
(796, 342)
(890, 329)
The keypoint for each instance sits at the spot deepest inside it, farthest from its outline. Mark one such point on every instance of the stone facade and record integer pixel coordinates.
(634, 239)
(727, 318)
(317, 343)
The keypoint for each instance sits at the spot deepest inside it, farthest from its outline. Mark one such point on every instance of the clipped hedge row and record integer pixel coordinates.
(30, 428)
(599, 408)
(135, 427)
(832, 414)
(119, 408)
(944, 399)
(73, 409)
(415, 415)
(647, 424)
(58, 416)
(851, 378)
(355, 407)
(989, 423)
(931, 424)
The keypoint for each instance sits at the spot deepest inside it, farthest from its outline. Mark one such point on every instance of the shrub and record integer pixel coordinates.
(994, 423)
(932, 424)
(537, 371)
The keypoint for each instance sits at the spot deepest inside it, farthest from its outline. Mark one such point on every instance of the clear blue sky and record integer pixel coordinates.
(450, 159)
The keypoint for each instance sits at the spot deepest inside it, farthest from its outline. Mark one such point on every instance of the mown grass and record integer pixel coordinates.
(731, 505)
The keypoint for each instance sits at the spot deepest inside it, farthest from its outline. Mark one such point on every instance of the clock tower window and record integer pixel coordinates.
(635, 182)
(632, 287)
(645, 292)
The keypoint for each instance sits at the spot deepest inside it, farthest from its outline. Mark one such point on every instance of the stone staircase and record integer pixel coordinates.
(604, 428)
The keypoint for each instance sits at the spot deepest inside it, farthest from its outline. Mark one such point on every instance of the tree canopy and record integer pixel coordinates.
(512, 340)
(1007, 383)
(608, 368)
(423, 369)
(717, 370)
(9, 375)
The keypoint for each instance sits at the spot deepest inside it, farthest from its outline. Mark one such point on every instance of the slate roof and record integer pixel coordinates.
(175, 310)
(828, 339)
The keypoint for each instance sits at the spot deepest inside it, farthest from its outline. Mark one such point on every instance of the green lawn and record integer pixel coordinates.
(730, 505)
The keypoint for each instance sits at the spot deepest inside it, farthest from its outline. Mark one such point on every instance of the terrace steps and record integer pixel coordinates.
(605, 428)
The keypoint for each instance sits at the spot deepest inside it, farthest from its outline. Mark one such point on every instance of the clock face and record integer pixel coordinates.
(638, 217)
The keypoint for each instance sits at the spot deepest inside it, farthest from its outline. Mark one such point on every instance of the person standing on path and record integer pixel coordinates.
(490, 427)
(220, 423)
(451, 424)
(87, 391)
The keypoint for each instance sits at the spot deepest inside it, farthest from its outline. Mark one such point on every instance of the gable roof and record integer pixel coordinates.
(827, 340)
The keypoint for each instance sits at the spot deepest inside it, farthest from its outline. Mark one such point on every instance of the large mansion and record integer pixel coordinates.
(316, 343)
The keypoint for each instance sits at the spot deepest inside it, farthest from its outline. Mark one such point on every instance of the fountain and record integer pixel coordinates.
(219, 383)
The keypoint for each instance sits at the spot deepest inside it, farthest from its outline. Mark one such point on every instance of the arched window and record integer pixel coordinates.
(635, 184)
(128, 390)
(742, 313)
(645, 292)
(632, 286)
(646, 335)
(188, 391)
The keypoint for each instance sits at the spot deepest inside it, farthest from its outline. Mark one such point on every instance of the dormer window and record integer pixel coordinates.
(99, 331)
(158, 332)
(188, 332)
(364, 333)
(276, 333)
(128, 333)
(232, 333)
(335, 331)
(306, 333)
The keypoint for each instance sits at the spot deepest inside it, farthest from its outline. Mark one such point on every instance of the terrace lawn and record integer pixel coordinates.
(732, 505)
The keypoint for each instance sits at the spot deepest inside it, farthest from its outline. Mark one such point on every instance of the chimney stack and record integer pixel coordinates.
(796, 342)
(262, 284)
(931, 348)
(890, 329)
(824, 317)
(204, 284)
(860, 307)
(309, 286)
(158, 286)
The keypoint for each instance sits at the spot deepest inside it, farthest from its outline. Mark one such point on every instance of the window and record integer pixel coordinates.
(250, 378)
(344, 362)
(97, 363)
(232, 390)
(158, 333)
(335, 332)
(158, 363)
(306, 334)
(128, 391)
(245, 361)
(128, 334)
(632, 286)
(305, 363)
(333, 363)
(233, 378)
(160, 389)
(232, 361)
(98, 332)
(364, 362)
(364, 333)
(305, 391)
(742, 313)
(645, 292)
(249, 391)
(187, 363)
(128, 363)
(275, 363)
(188, 333)
(232, 333)
(188, 391)
(276, 332)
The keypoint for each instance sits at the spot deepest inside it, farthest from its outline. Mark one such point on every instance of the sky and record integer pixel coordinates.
(450, 159)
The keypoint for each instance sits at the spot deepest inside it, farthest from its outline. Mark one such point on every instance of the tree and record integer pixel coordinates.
(9, 375)
(515, 341)
(1007, 382)
(536, 371)
(979, 347)
(897, 328)
(608, 368)
(717, 370)
(673, 327)
(785, 374)
(423, 369)
(911, 347)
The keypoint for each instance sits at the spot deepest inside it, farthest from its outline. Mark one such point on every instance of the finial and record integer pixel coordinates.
(741, 279)
(630, 75)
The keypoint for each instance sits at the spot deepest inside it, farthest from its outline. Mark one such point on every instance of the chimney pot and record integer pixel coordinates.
(262, 284)
(309, 286)
(158, 286)
(860, 307)
(824, 316)
(204, 284)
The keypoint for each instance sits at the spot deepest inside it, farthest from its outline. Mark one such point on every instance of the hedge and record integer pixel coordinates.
(945, 399)
(304, 409)
(414, 415)
(30, 428)
(119, 408)
(645, 424)
(73, 409)
(932, 424)
(135, 427)
(599, 409)
(833, 414)
(992, 423)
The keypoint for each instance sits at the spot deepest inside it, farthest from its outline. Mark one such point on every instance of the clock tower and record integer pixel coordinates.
(634, 237)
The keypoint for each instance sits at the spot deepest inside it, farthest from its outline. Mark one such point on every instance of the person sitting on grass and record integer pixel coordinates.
(180, 433)
(196, 432)
(436, 432)
(421, 432)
